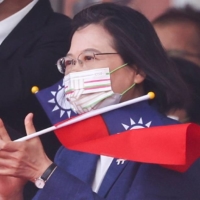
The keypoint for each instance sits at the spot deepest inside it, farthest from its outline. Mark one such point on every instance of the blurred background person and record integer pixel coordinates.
(179, 30)
(151, 8)
(190, 73)
(72, 7)
(32, 39)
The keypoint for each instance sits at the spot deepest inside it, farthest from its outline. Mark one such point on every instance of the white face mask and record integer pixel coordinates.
(90, 89)
(1, 1)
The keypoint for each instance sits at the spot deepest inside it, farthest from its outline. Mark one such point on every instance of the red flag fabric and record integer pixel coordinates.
(174, 146)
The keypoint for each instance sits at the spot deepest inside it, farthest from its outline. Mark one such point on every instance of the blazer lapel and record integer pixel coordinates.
(87, 168)
(82, 165)
(115, 169)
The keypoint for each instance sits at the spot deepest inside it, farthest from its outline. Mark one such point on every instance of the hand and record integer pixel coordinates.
(20, 161)
(11, 188)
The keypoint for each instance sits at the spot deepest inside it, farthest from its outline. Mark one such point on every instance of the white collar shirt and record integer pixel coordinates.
(8, 24)
(103, 164)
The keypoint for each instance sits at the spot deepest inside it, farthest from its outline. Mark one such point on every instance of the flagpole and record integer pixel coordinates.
(87, 115)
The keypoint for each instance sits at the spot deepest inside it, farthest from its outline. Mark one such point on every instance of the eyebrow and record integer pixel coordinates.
(86, 50)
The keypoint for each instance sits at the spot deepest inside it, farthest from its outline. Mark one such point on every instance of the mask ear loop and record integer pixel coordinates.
(118, 68)
(128, 89)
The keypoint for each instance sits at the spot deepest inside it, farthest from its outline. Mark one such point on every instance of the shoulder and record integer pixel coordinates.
(165, 120)
(58, 17)
(43, 14)
(57, 22)
(168, 121)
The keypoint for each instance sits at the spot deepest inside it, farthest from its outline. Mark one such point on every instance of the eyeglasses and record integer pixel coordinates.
(182, 53)
(86, 59)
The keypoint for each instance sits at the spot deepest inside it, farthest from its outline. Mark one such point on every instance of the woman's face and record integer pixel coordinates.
(94, 39)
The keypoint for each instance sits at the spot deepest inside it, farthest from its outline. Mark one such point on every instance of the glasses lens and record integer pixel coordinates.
(65, 62)
(61, 65)
(86, 59)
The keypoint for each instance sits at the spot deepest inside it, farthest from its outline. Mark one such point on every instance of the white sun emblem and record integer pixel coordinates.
(134, 125)
(60, 102)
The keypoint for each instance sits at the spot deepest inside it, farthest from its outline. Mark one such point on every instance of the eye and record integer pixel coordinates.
(68, 62)
(88, 58)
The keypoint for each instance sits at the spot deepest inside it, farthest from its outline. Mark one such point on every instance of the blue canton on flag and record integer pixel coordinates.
(54, 103)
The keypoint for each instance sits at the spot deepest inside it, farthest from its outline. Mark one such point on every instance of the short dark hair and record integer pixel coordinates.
(186, 14)
(177, 15)
(190, 72)
(137, 43)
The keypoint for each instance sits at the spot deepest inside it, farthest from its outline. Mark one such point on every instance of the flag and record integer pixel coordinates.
(54, 103)
(134, 132)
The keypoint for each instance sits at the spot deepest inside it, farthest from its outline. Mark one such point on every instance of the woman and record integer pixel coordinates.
(117, 46)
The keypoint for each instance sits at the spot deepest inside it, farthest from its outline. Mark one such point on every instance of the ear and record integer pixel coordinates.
(139, 76)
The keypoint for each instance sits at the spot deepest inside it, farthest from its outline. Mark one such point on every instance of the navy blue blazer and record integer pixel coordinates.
(129, 181)
(28, 58)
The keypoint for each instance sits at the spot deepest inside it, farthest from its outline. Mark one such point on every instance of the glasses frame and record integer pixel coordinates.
(62, 68)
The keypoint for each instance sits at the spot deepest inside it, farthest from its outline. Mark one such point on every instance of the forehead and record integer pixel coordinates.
(92, 36)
